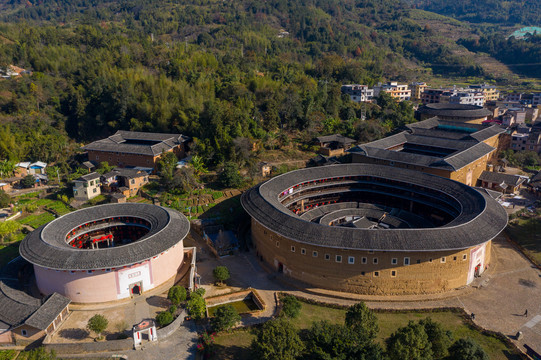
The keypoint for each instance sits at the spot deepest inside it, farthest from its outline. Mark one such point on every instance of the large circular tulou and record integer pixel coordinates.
(373, 229)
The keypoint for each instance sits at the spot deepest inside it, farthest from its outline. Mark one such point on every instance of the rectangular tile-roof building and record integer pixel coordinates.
(453, 150)
(131, 148)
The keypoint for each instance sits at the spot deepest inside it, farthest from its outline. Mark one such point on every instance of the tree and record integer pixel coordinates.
(185, 180)
(335, 341)
(164, 318)
(176, 294)
(104, 167)
(5, 199)
(225, 318)
(230, 176)
(291, 306)
(97, 323)
(277, 340)
(221, 274)
(8, 227)
(409, 343)
(6, 168)
(28, 181)
(363, 321)
(196, 306)
(166, 166)
(467, 349)
(198, 165)
(438, 337)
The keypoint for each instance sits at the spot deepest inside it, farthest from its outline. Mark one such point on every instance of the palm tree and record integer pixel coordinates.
(198, 165)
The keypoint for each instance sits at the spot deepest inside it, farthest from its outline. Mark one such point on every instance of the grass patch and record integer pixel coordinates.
(236, 345)
(527, 233)
(36, 221)
(8, 354)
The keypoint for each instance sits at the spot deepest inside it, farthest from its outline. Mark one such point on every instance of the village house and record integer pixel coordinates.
(334, 145)
(358, 93)
(136, 149)
(23, 169)
(398, 91)
(87, 187)
(130, 179)
(417, 89)
(505, 183)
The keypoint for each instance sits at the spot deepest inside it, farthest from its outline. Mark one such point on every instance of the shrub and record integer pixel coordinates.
(225, 318)
(164, 318)
(221, 274)
(97, 323)
(177, 294)
(172, 309)
(292, 306)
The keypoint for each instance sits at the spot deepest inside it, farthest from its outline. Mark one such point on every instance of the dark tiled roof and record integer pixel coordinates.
(17, 308)
(498, 178)
(120, 142)
(480, 220)
(454, 110)
(465, 146)
(45, 315)
(15, 305)
(335, 138)
(89, 177)
(47, 246)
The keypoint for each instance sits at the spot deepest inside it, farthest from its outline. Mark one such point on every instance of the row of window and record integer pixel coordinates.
(364, 260)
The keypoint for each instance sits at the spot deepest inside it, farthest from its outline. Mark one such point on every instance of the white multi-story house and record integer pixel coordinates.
(358, 93)
(467, 97)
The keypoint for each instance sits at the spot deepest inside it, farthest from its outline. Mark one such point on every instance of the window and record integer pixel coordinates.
(454, 258)
(133, 181)
(418, 261)
(293, 249)
(362, 273)
(370, 251)
(277, 244)
(90, 271)
(429, 260)
(406, 261)
(339, 258)
(375, 260)
(443, 259)
(23, 332)
(327, 257)
(376, 273)
(314, 253)
(464, 257)
(72, 272)
(107, 270)
(351, 260)
(303, 251)
(394, 261)
(95, 190)
(393, 273)
(363, 260)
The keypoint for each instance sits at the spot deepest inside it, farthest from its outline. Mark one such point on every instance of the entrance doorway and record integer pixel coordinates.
(136, 289)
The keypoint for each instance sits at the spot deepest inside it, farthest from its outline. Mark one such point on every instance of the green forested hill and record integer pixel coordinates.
(218, 71)
(508, 12)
